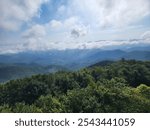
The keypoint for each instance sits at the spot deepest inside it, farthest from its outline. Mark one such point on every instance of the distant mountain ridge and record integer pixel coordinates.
(24, 64)
(72, 59)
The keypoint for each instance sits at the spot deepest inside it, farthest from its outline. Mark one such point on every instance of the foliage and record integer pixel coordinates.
(122, 86)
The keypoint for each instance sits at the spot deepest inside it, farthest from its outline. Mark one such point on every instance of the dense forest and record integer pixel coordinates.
(21, 70)
(121, 86)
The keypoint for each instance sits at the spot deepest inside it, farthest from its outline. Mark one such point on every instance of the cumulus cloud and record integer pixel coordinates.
(34, 38)
(106, 13)
(48, 36)
(55, 24)
(146, 35)
(15, 12)
(75, 21)
(75, 33)
(35, 31)
(78, 32)
(37, 36)
(71, 21)
(72, 26)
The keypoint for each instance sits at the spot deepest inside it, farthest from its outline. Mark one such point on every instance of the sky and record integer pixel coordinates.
(72, 24)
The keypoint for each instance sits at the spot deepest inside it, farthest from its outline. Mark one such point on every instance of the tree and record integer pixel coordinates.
(22, 107)
(49, 104)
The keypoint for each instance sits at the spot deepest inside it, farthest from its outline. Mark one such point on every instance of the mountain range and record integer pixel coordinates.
(73, 58)
(28, 63)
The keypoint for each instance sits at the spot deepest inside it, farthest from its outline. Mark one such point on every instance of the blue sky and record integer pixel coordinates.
(69, 24)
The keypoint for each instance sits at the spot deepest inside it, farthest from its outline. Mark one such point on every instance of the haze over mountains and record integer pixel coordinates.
(19, 65)
(78, 58)
(30, 62)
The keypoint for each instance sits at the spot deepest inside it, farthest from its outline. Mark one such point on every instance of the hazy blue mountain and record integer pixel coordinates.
(28, 63)
(139, 55)
(72, 59)
(129, 47)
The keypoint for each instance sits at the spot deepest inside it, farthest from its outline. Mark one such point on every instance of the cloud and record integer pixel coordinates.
(35, 31)
(15, 12)
(75, 33)
(37, 37)
(34, 38)
(75, 27)
(70, 23)
(113, 44)
(55, 24)
(108, 13)
(71, 26)
(146, 35)
(79, 32)
(61, 9)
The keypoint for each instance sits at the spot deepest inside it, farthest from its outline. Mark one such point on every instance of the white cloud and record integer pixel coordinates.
(75, 27)
(71, 21)
(55, 24)
(71, 26)
(146, 35)
(35, 38)
(75, 21)
(15, 12)
(107, 13)
(35, 31)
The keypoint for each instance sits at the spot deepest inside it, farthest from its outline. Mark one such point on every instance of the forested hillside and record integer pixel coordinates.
(122, 86)
(20, 70)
